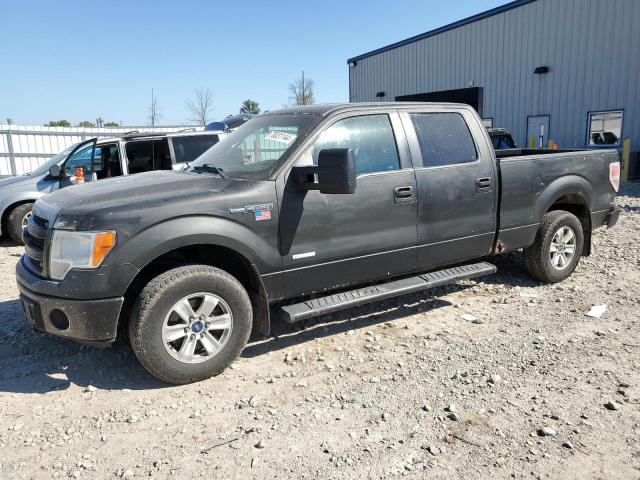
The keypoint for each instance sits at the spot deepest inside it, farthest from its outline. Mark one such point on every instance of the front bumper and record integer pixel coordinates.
(87, 321)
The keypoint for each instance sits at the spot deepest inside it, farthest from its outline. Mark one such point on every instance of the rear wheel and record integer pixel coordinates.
(17, 220)
(557, 248)
(190, 323)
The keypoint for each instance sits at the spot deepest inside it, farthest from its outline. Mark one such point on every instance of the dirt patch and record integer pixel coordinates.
(534, 388)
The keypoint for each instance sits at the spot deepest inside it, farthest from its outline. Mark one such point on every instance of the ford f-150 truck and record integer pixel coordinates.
(301, 212)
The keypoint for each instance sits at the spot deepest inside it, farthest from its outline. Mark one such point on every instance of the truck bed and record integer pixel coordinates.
(532, 180)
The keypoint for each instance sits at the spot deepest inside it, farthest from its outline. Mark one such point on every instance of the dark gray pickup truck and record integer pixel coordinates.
(301, 212)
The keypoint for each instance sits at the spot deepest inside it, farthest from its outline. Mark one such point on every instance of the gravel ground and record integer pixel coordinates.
(526, 385)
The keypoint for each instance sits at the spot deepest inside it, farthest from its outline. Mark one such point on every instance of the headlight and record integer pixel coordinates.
(71, 249)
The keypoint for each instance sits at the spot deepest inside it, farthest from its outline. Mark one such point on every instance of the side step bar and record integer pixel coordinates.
(340, 301)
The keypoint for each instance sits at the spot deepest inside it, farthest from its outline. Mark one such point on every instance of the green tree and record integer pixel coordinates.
(59, 123)
(86, 124)
(250, 106)
(112, 124)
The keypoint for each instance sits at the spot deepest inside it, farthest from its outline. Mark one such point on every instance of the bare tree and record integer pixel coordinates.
(301, 92)
(200, 106)
(154, 110)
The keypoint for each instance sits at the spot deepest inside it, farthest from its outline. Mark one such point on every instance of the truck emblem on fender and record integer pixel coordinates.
(265, 208)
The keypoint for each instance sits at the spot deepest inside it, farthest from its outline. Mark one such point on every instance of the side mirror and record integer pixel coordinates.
(336, 173)
(55, 171)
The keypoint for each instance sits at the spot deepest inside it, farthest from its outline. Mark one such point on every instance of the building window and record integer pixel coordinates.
(605, 128)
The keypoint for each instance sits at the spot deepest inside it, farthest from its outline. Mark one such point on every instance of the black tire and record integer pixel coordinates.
(14, 222)
(158, 298)
(537, 257)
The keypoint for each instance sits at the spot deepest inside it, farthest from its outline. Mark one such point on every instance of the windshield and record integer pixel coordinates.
(44, 168)
(255, 150)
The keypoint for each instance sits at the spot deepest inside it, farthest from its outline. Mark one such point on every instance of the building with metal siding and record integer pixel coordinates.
(585, 52)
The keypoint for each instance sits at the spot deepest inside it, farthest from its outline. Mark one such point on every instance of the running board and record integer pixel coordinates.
(340, 301)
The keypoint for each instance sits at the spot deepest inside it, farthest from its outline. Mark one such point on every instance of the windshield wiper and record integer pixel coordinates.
(213, 168)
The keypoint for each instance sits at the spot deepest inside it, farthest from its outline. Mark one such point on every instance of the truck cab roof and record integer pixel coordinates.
(331, 108)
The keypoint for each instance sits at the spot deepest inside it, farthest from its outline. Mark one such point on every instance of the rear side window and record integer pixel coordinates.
(148, 155)
(140, 156)
(444, 139)
(188, 148)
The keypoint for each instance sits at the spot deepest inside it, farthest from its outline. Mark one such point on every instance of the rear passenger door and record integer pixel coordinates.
(329, 241)
(456, 185)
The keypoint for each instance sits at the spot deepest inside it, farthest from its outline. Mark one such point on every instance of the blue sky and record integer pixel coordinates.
(79, 60)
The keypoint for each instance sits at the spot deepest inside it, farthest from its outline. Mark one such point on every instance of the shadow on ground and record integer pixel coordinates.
(7, 243)
(33, 362)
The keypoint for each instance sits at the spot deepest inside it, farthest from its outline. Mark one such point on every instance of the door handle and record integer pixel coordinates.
(483, 184)
(403, 194)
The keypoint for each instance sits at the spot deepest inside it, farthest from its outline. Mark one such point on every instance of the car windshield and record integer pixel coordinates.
(502, 142)
(258, 148)
(44, 168)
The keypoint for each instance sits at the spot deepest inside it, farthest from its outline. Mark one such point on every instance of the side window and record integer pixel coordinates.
(82, 158)
(140, 156)
(162, 155)
(369, 136)
(190, 147)
(444, 139)
(110, 162)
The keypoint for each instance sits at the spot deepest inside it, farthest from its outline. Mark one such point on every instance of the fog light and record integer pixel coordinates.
(59, 320)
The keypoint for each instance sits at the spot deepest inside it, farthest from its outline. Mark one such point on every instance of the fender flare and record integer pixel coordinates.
(566, 185)
(156, 240)
(159, 239)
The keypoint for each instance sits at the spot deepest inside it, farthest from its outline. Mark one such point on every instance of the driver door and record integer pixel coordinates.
(82, 156)
(331, 241)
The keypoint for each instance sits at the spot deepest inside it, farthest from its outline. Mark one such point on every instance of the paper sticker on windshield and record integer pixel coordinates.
(282, 137)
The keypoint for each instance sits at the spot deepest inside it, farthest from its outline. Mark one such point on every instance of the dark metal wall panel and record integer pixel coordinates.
(590, 47)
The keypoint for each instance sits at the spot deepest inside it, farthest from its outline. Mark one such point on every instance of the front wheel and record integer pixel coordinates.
(190, 323)
(17, 221)
(557, 248)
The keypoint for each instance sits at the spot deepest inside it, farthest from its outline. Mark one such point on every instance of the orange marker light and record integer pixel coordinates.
(102, 245)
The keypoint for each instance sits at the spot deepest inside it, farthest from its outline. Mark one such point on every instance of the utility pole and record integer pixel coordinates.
(304, 100)
(153, 110)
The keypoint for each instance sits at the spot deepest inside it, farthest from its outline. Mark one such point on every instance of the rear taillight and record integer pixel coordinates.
(614, 175)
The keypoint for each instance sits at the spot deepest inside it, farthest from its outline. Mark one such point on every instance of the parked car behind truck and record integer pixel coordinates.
(501, 138)
(291, 215)
(100, 159)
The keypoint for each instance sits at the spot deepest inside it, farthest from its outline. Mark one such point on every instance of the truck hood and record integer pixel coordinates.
(132, 189)
(139, 199)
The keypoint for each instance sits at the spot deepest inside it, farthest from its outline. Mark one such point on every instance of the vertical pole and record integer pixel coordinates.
(304, 98)
(12, 157)
(626, 158)
(153, 111)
